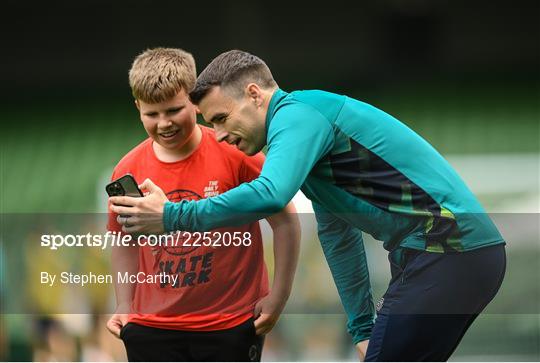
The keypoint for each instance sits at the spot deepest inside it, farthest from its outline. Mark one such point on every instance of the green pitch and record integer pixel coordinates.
(52, 158)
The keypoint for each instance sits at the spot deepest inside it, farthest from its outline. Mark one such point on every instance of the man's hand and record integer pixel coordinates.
(141, 215)
(267, 312)
(361, 347)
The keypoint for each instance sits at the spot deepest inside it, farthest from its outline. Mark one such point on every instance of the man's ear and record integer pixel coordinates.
(137, 104)
(253, 91)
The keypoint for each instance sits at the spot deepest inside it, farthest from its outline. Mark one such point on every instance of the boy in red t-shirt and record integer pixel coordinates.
(204, 297)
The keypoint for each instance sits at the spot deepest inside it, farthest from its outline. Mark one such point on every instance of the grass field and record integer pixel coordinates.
(52, 158)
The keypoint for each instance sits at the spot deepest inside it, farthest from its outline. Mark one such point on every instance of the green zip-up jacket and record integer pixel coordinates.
(364, 171)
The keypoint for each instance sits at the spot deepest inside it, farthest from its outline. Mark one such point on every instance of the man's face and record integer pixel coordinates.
(169, 123)
(238, 121)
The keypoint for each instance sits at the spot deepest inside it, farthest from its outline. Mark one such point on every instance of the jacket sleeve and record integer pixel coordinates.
(343, 248)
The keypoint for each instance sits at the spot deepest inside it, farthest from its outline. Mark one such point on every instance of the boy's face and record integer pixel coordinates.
(169, 123)
(238, 121)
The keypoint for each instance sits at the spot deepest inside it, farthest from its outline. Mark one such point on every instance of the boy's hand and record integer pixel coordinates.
(116, 323)
(141, 215)
(118, 320)
(267, 312)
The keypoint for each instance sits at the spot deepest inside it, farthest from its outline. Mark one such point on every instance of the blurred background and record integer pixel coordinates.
(464, 74)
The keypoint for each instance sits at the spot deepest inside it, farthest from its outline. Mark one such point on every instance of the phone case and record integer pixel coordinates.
(125, 185)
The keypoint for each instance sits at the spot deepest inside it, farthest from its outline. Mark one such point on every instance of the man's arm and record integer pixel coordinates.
(286, 230)
(298, 137)
(343, 248)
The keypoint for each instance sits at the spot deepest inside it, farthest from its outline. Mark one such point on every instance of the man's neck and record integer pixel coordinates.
(266, 100)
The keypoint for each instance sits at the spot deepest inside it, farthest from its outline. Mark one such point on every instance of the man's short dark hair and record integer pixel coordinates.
(233, 70)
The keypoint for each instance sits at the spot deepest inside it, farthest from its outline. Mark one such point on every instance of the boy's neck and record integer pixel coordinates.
(181, 153)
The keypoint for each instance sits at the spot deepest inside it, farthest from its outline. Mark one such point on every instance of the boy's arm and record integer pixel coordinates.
(123, 259)
(343, 248)
(286, 230)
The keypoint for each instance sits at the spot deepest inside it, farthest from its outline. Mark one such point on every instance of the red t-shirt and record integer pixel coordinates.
(216, 287)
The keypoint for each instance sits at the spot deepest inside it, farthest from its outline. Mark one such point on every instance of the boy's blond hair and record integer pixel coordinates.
(159, 74)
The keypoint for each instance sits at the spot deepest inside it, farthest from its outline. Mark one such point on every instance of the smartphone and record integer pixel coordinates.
(125, 185)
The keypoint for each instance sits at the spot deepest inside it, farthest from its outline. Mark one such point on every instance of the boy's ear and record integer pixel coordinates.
(137, 104)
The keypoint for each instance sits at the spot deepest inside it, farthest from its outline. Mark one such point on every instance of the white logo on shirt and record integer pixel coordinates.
(212, 189)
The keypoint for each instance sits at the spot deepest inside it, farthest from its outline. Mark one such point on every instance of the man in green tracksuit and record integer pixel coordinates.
(364, 171)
